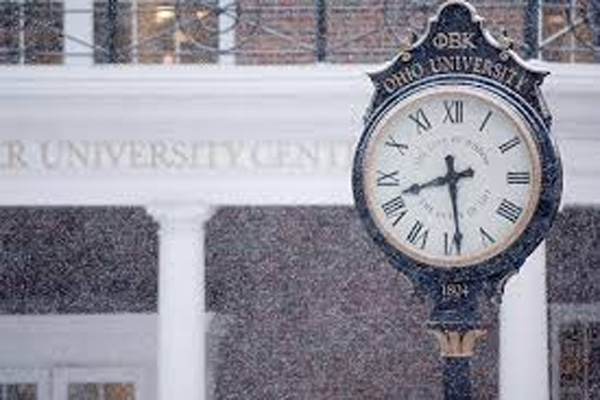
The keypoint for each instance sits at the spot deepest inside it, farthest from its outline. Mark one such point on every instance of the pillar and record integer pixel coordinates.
(79, 32)
(524, 333)
(181, 311)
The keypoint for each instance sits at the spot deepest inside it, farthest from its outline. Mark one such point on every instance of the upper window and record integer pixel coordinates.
(163, 32)
(570, 31)
(271, 32)
(31, 32)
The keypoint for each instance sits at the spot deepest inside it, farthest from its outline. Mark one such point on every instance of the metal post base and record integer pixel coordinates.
(457, 379)
(457, 347)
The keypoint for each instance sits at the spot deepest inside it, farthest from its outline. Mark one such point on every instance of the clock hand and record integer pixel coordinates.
(416, 187)
(467, 173)
(453, 178)
(452, 188)
(457, 234)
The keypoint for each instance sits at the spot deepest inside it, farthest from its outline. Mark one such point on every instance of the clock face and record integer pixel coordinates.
(451, 176)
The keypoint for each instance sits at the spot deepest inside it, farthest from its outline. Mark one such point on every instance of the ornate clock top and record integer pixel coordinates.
(456, 42)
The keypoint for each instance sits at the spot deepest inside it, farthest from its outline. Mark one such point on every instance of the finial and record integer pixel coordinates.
(506, 43)
(406, 46)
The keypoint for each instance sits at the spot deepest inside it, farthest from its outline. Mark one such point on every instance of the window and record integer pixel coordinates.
(98, 384)
(579, 363)
(23, 384)
(576, 352)
(163, 32)
(31, 32)
(571, 30)
(18, 391)
(101, 391)
(112, 32)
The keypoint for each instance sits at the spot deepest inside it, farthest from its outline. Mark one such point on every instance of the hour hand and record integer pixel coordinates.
(416, 187)
(467, 173)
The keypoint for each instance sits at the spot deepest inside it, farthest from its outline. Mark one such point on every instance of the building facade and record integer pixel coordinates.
(188, 232)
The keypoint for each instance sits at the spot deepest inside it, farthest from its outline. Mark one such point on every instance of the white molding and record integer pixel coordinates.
(48, 341)
(292, 104)
(176, 213)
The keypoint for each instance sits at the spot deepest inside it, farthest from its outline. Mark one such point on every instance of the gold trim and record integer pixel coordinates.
(457, 344)
(369, 177)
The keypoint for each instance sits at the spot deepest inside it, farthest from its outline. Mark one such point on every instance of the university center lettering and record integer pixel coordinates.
(172, 155)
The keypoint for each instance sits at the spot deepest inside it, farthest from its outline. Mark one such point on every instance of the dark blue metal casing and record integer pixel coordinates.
(457, 51)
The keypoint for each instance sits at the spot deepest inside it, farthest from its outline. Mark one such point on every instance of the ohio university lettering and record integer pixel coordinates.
(486, 67)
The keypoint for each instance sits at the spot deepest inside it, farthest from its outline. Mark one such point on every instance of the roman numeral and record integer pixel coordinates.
(421, 120)
(454, 111)
(504, 147)
(418, 235)
(486, 238)
(509, 210)
(518, 178)
(396, 145)
(485, 121)
(395, 208)
(388, 179)
(451, 244)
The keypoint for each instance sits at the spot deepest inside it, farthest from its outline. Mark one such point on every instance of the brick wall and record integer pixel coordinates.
(357, 31)
(67, 260)
(318, 313)
(573, 256)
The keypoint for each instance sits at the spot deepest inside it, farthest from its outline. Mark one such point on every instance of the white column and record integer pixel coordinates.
(181, 312)
(524, 333)
(79, 32)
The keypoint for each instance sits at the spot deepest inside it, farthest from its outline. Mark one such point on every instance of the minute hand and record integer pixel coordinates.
(457, 233)
(453, 178)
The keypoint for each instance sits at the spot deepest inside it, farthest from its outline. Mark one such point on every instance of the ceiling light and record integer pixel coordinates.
(164, 13)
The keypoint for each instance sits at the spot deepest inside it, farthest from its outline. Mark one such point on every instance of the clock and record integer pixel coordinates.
(456, 175)
(450, 177)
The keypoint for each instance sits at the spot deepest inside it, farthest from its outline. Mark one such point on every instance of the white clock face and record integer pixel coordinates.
(452, 176)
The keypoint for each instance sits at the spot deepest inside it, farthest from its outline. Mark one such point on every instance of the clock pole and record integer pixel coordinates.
(457, 378)
(457, 348)
(457, 98)
(456, 324)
